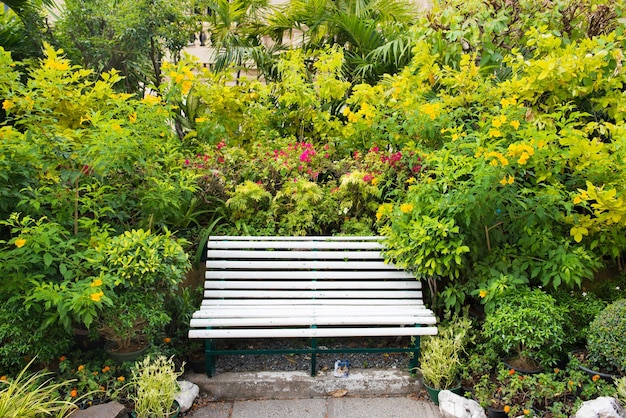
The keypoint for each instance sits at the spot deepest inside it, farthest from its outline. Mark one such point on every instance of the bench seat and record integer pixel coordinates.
(306, 287)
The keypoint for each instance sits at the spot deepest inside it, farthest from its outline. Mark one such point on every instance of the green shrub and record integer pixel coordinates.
(581, 308)
(606, 340)
(22, 336)
(526, 324)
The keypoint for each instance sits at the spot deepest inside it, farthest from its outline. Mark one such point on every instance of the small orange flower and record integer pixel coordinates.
(526, 412)
(102, 388)
(20, 242)
(105, 369)
(121, 378)
(81, 367)
(62, 359)
(507, 409)
(3, 378)
(482, 294)
(95, 373)
(167, 340)
(595, 377)
(511, 372)
(74, 393)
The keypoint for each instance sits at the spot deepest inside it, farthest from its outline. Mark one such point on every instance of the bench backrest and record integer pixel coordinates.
(333, 270)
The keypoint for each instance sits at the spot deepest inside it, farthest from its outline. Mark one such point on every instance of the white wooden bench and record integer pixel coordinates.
(289, 287)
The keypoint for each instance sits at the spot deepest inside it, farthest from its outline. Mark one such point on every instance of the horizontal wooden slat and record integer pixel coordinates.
(309, 284)
(319, 245)
(310, 311)
(303, 321)
(311, 332)
(298, 265)
(295, 255)
(315, 302)
(294, 238)
(333, 294)
(311, 275)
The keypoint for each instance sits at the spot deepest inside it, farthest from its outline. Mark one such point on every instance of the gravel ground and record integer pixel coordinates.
(289, 362)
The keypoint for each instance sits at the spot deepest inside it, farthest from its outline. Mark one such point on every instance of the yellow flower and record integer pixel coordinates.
(200, 120)
(7, 104)
(132, 117)
(507, 409)
(96, 283)
(410, 180)
(495, 133)
(431, 109)
(482, 294)
(514, 124)
(20, 242)
(526, 412)
(383, 210)
(345, 111)
(504, 102)
(577, 200)
(406, 207)
(497, 157)
(374, 181)
(121, 378)
(96, 296)
(507, 180)
(523, 159)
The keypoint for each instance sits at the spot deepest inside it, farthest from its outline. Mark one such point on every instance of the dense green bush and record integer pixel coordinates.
(526, 324)
(606, 339)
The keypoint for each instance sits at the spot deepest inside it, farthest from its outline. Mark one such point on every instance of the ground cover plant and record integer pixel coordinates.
(490, 157)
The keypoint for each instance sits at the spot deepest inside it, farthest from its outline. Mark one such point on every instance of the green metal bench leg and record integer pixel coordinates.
(313, 355)
(415, 345)
(209, 359)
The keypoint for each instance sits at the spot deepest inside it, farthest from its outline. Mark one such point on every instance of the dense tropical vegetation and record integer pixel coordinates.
(485, 140)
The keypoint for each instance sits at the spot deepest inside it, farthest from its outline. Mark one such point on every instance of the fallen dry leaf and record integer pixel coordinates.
(338, 393)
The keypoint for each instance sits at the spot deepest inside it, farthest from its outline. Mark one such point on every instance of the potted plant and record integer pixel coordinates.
(526, 327)
(440, 361)
(155, 388)
(135, 319)
(139, 270)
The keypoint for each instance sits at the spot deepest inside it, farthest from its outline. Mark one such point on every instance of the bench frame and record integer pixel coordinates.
(242, 272)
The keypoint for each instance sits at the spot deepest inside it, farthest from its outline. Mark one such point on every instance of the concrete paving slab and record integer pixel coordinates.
(214, 410)
(381, 408)
(292, 408)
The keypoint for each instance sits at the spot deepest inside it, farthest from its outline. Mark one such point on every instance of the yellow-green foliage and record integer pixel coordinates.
(30, 395)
